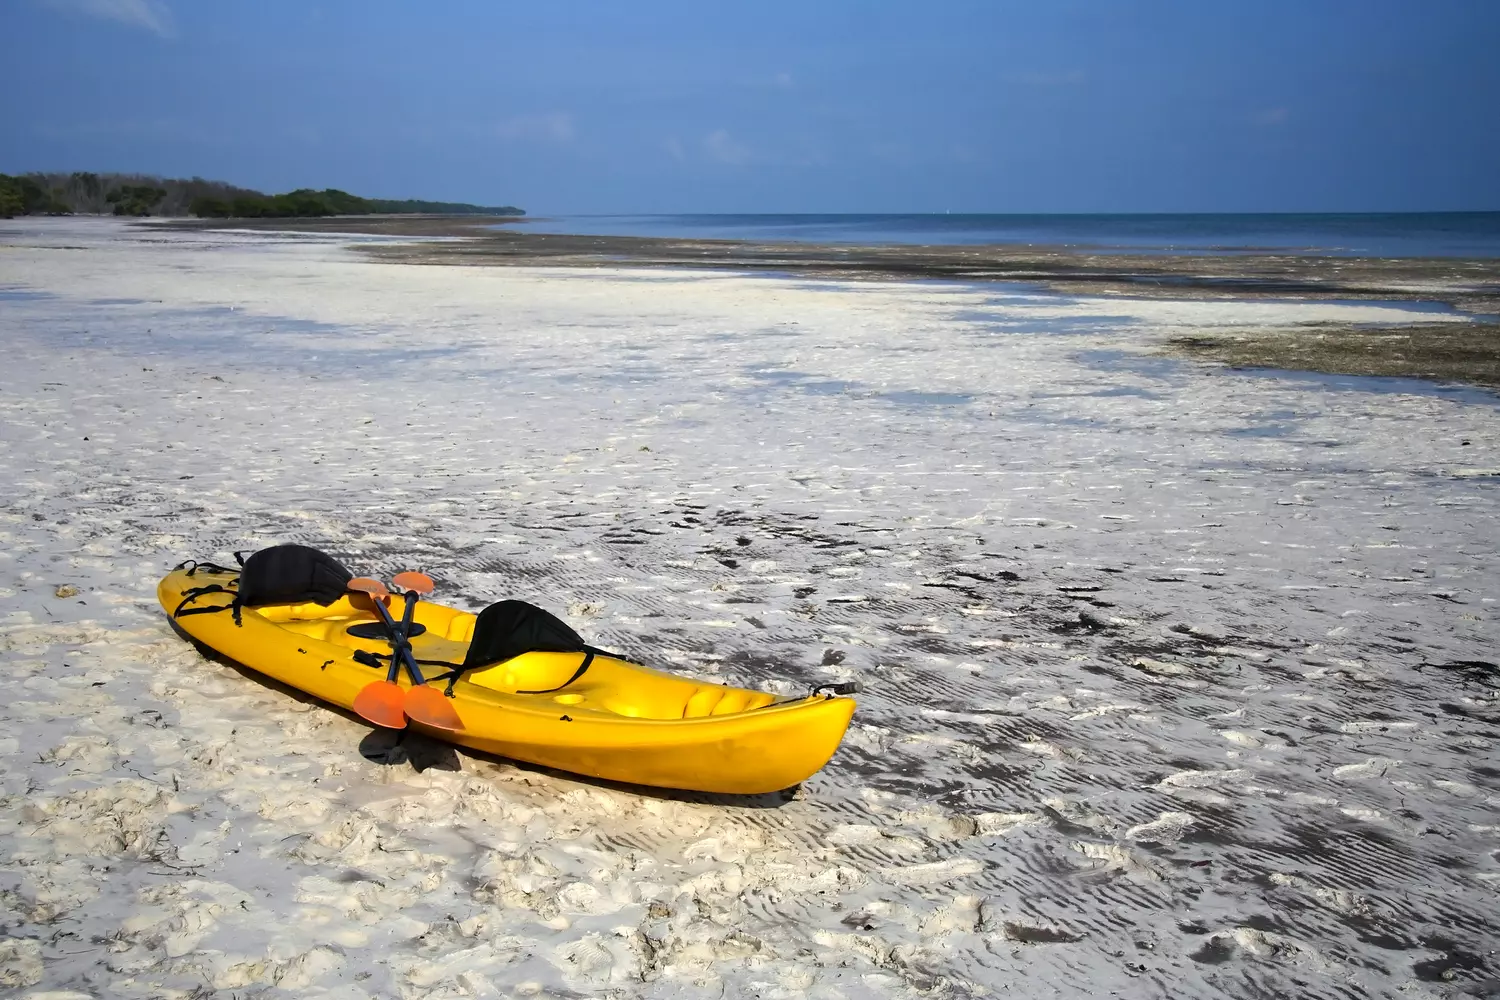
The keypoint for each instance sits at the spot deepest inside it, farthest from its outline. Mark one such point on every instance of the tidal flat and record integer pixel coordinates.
(1468, 354)
(1177, 680)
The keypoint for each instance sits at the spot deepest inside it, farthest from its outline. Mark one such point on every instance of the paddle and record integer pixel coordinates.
(381, 702)
(385, 703)
(423, 704)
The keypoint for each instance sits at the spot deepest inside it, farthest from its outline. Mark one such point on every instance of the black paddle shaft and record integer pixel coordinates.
(400, 647)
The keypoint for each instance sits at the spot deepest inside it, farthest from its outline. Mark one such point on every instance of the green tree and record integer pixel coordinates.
(209, 208)
(11, 202)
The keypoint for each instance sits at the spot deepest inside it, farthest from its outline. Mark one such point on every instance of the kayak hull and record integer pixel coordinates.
(617, 720)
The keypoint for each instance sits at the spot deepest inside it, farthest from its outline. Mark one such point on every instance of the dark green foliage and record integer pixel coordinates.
(386, 206)
(127, 194)
(24, 196)
(135, 199)
(205, 207)
(11, 201)
(305, 203)
(140, 195)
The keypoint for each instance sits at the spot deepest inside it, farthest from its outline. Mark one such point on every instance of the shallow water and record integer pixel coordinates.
(1413, 234)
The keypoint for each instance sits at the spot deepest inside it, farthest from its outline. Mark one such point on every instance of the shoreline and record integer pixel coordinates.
(1416, 350)
(1470, 285)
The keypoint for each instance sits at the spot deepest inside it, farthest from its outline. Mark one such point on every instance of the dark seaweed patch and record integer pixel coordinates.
(1033, 934)
(1471, 671)
(1215, 951)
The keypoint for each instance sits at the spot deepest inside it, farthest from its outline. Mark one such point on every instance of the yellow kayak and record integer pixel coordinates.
(611, 719)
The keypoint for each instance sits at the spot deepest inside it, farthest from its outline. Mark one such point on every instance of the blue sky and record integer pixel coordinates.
(804, 106)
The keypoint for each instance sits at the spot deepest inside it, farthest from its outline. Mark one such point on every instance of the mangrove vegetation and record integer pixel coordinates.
(144, 195)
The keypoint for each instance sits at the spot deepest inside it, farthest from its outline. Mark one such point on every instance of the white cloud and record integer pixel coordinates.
(721, 147)
(152, 15)
(554, 126)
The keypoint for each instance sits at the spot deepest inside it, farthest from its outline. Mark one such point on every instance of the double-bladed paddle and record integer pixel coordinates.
(385, 703)
(423, 704)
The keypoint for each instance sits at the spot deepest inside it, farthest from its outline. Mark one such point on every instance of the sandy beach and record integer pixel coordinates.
(1178, 680)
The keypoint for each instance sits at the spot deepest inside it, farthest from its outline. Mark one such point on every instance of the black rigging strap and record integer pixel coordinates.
(457, 670)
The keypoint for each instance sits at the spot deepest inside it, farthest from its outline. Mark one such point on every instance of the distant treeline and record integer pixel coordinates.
(330, 201)
(24, 196)
(142, 195)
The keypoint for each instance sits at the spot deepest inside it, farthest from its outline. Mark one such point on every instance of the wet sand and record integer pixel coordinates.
(1470, 285)
(1470, 354)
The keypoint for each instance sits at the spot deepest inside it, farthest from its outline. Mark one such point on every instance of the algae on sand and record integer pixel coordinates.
(1449, 352)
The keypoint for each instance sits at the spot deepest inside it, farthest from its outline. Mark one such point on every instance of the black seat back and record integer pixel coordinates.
(510, 628)
(292, 574)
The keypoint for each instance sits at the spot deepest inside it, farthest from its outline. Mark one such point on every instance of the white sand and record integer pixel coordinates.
(1203, 745)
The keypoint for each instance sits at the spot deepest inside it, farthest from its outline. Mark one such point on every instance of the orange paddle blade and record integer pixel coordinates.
(412, 580)
(431, 707)
(365, 585)
(381, 702)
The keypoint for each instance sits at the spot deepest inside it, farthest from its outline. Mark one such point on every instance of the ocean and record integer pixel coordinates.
(1395, 234)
